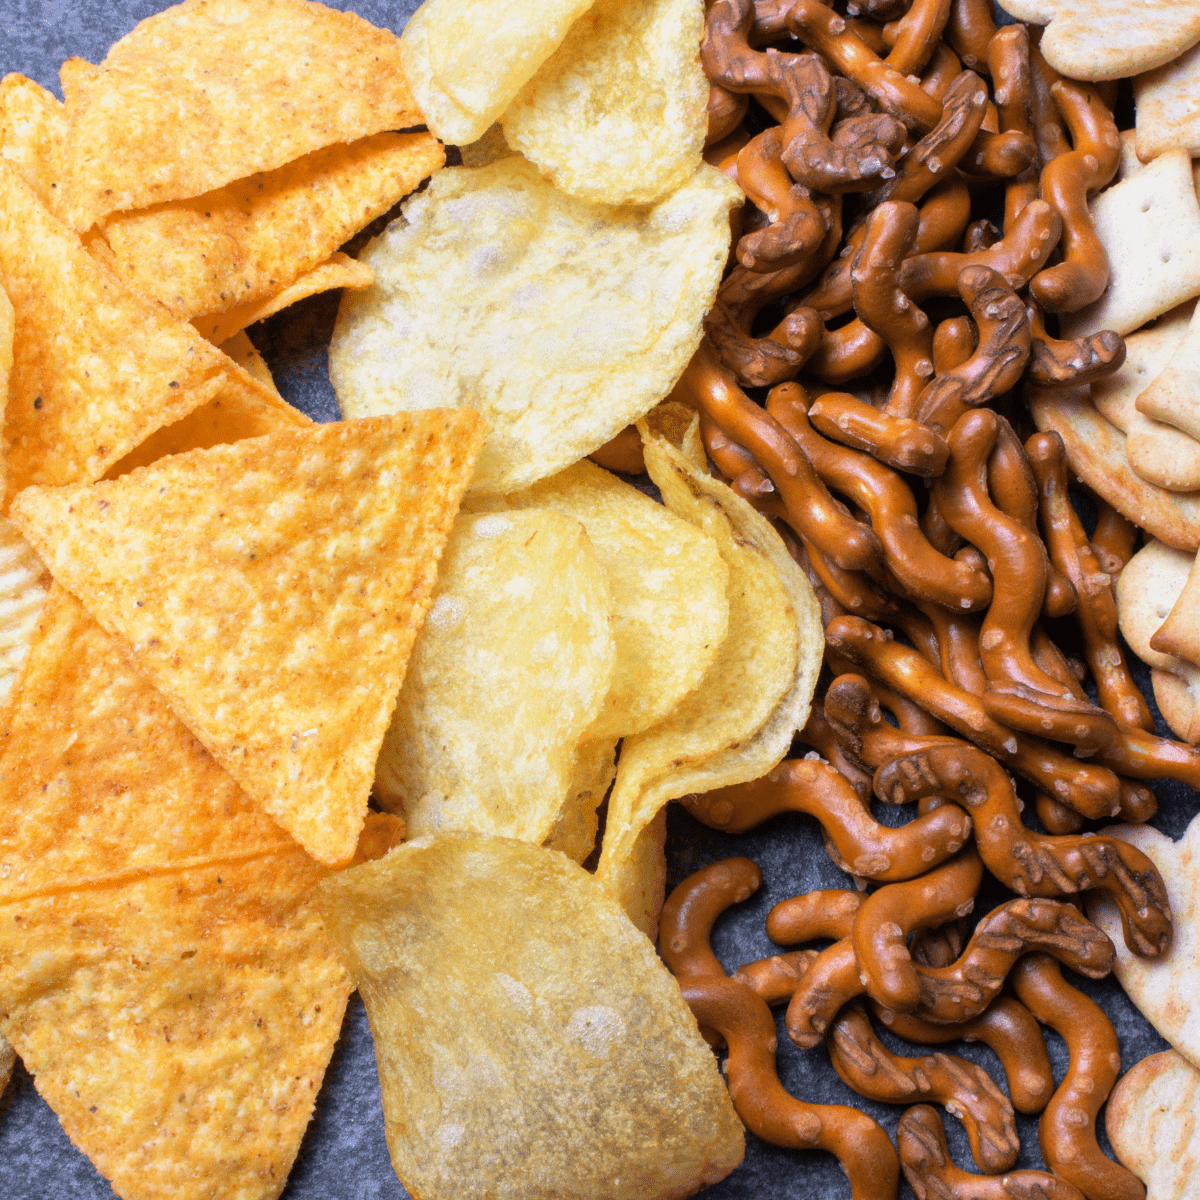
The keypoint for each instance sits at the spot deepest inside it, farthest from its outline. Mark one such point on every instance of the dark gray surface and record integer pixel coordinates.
(343, 1154)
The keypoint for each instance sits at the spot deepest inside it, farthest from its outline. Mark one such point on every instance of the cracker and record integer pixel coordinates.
(1129, 163)
(1110, 39)
(1177, 703)
(244, 243)
(1149, 225)
(1165, 988)
(1173, 395)
(1157, 452)
(1179, 634)
(271, 589)
(1096, 453)
(216, 90)
(1168, 107)
(1151, 1123)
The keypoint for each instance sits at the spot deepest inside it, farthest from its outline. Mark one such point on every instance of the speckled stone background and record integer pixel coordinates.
(343, 1156)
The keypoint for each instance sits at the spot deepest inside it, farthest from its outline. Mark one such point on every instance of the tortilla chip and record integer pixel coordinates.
(530, 1042)
(271, 590)
(24, 582)
(215, 90)
(74, 76)
(243, 352)
(96, 370)
(248, 241)
(33, 127)
(338, 271)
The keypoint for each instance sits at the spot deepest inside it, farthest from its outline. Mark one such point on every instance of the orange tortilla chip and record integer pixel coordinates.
(338, 271)
(33, 127)
(243, 352)
(271, 590)
(215, 90)
(96, 370)
(246, 242)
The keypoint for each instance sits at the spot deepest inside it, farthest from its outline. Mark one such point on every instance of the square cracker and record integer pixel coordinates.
(271, 590)
(1168, 107)
(1149, 224)
(1173, 395)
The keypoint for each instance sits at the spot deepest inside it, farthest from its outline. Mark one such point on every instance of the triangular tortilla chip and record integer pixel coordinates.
(271, 590)
(24, 582)
(247, 241)
(243, 352)
(33, 127)
(96, 369)
(214, 90)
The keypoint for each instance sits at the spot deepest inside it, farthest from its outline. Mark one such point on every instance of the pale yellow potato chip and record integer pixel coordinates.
(467, 59)
(648, 869)
(24, 582)
(96, 369)
(216, 90)
(740, 721)
(553, 1055)
(338, 271)
(1109, 39)
(667, 583)
(271, 590)
(243, 352)
(575, 829)
(561, 321)
(243, 244)
(510, 669)
(33, 128)
(618, 113)
(487, 148)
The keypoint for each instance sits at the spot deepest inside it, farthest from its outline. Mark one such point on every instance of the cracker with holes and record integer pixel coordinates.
(1149, 224)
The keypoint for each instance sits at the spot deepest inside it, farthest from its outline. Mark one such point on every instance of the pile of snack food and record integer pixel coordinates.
(852, 285)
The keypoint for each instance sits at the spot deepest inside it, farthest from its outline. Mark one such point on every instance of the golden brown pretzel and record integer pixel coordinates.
(890, 505)
(744, 1020)
(1048, 124)
(725, 112)
(1008, 59)
(622, 453)
(1055, 817)
(774, 979)
(1073, 555)
(827, 913)
(689, 912)
(855, 591)
(819, 734)
(969, 30)
(762, 362)
(1088, 788)
(710, 387)
(944, 68)
(1034, 864)
(1115, 538)
(1067, 1130)
(1067, 180)
(1138, 802)
(881, 929)
(1019, 693)
(962, 990)
(1055, 363)
(857, 843)
(913, 36)
(846, 353)
(999, 155)
(1141, 755)
(865, 1064)
(831, 981)
(1009, 1028)
(954, 341)
(899, 442)
(958, 649)
(933, 1175)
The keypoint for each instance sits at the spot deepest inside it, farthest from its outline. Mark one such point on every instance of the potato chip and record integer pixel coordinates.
(530, 1042)
(561, 321)
(24, 582)
(33, 128)
(487, 148)
(216, 90)
(648, 875)
(667, 582)
(740, 721)
(578, 822)
(271, 590)
(618, 113)
(466, 59)
(8, 1060)
(244, 243)
(509, 670)
(96, 369)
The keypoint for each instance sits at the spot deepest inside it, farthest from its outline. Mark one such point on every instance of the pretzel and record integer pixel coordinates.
(846, 353)
(687, 916)
(962, 991)
(913, 36)
(966, 1090)
(1067, 1130)
(1115, 538)
(1082, 276)
(932, 1174)
(1047, 119)
(831, 981)
(919, 629)
(1088, 788)
(744, 1020)
(1055, 363)
(855, 591)
(1019, 693)
(710, 387)
(969, 30)
(899, 442)
(774, 979)
(762, 362)
(1033, 864)
(622, 453)
(998, 360)
(882, 926)
(941, 945)
(888, 502)
(828, 913)
(933, 525)
(943, 69)
(1009, 1028)
(954, 341)
(1073, 555)
(819, 734)
(1140, 755)
(1056, 817)
(725, 112)
(857, 843)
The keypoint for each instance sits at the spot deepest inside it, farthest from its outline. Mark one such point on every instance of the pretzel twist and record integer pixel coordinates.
(1141, 755)
(725, 111)
(1011, 1031)
(1067, 1130)
(855, 591)
(1055, 817)
(765, 361)
(899, 442)
(1055, 363)
(846, 353)
(687, 916)
(1115, 538)
(914, 35)
(774, 979)
(965, 1089)
(830, 982)
(1034, 864)
(827, 913)
(933, 1175)
(969, 30)
(819, 734)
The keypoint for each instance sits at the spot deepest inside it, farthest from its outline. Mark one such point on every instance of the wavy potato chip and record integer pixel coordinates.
(618, 113)
(466, 59)
(216, 90)
(667, 582)
(531, 1044)
(578, 822)
(243, 244)
(561, 321)
(509, 670)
